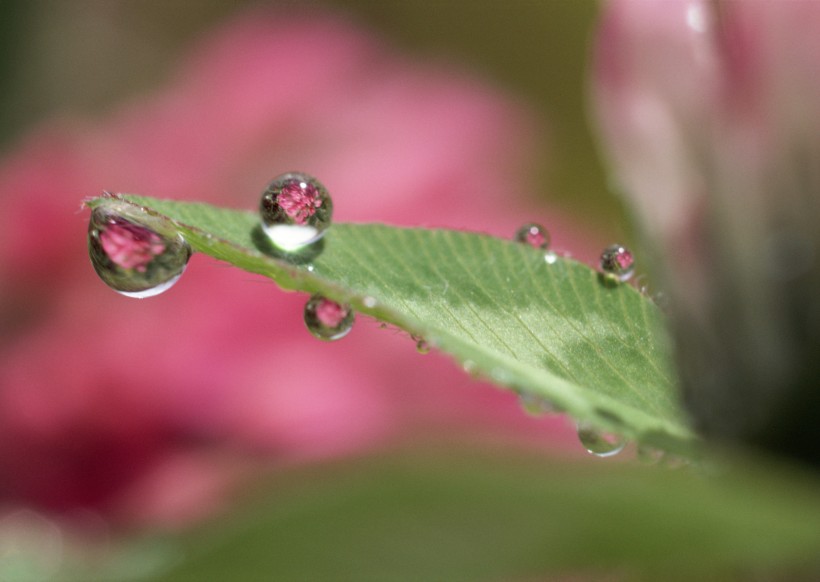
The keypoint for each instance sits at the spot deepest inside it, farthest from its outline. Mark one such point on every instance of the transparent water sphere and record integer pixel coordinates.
(296, 210)
(617, 262)
(328, 320)
(600, 443)
(134, 253)
(535, 405)
(422, 346)
(534, 235)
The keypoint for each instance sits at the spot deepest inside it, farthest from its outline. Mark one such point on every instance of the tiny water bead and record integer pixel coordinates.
(535, 405)
(296, 209)
(328, 320)
(422, 346)
(133, 252)
(617, 262)
(534, 235)
(600, 443)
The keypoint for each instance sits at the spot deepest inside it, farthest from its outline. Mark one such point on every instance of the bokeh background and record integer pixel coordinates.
(133, 432)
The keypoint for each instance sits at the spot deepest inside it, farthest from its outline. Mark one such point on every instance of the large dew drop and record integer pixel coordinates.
(296, 209)
(534, 235)
(133, 252)
(599, 443)
(328, 320)
(617, 262)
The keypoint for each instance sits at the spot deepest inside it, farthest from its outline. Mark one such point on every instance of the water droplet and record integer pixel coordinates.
(134, 253)
(470, 367)
(422, 346)
(296, 210)
(328, 320)
(550, 257)
(617, 262)
(535, 405)
(534, 235)
(600, 443)
(649, 455)
(641, 283)
(369, 301)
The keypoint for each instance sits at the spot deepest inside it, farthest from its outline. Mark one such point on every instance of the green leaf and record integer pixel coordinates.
(477, 516)
(553, 329)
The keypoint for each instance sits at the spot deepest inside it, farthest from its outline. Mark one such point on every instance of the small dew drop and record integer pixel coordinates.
(501, 376)
(641, 283)
(534, 235)
(296, 209)
(617, 262)
(470, 367)
(328, 320)
(535, 405)
(600, 443)
(133, 252)
(550, 258)
(422, 346)
(369, 301)
(649, 455)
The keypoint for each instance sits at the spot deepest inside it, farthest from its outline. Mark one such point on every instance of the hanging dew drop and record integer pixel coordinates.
(535, 405)
(617, 262)
(328, 320)
(296, 209)
(134, 253)
(600, 443)
(534, 235)
(422, 346)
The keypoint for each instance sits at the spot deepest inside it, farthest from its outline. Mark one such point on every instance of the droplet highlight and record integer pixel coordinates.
(600, 443)
(617, 262)
(296, 210)
(328, 320)
(534, 235)
(134, 253)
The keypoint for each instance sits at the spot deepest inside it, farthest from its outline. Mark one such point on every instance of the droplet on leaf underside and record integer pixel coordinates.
(600, 443)
(535, 405)
(617, 262)
(134, 253)
(534, 235)
(422, 346)
(296, 210)
(328, 320)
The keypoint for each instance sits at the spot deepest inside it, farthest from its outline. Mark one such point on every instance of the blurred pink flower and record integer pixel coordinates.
(148, 410)
(710, 114)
